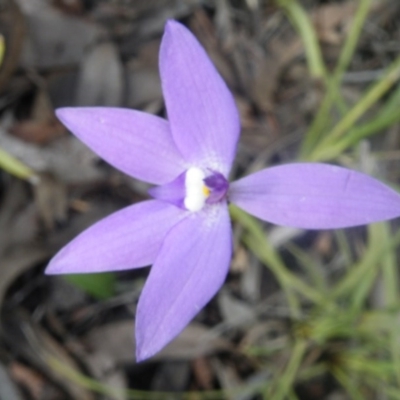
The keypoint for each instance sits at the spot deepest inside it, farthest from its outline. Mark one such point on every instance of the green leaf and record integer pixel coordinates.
(101, 286)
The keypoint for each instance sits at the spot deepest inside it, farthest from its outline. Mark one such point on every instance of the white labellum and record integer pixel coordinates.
(196, 191)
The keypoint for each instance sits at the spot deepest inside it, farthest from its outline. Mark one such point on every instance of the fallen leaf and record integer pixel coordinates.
(101, 77)
(8, 389)
(116, 340)
(332, 21)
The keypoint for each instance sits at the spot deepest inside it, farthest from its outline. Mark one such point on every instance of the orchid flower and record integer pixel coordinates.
(184, 231)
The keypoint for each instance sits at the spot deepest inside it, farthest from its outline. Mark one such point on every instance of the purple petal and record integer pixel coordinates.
(129, 238)
(190, 268)
(139, 144)
(315, 196)
(202, 112)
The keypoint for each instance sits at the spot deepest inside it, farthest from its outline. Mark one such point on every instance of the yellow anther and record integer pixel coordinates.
(206, 191)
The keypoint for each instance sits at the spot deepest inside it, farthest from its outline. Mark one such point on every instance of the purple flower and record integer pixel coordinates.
(185, 230)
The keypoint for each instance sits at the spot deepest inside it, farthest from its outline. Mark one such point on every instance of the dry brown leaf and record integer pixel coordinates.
(66, 45)
(15, 263)
(268, 69)
(332, 21)
(8, 389)
(31, 342)
(28, 378)
(13, 29)
(235, 311)
(202, 27)
(116, 340)
(323, 244)
(51, 200)
(143, 78)
(203, 373)
(195, 341)
(240, 261)
(101, 77)
(67, 157)
(43, 126)
(171, 377)
(73, 7)
(40, 132)
(227, 376)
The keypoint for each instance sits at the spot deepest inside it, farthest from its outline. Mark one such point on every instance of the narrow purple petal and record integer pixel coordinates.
(129, 238)
(315, 196)
(190, 268)
(202, 112)
(139, 144)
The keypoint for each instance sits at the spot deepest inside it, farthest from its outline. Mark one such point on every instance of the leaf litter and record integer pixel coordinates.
(105, 53)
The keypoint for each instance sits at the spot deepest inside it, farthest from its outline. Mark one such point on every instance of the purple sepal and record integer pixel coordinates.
(218, 186)
(134, 142)
(172, 192)
(315, 196)
(201, 110)
(190, 267)
(129, 238)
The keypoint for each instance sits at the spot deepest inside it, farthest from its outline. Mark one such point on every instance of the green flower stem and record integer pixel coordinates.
(16, 167)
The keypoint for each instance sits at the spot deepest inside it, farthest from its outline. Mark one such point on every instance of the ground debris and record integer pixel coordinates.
(59, 342)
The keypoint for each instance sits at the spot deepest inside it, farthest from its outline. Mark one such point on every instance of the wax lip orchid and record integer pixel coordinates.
(184, 231)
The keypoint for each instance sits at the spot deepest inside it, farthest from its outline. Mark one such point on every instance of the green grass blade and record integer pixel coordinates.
(15, 167)
(372, 95)
(352, 39)
(370, 259)
(304, 26)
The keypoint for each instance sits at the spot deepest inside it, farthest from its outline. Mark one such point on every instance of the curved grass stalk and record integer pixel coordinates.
(373, 256)
(305, 28)
(375, 93)
(333, 84)
(287, 379)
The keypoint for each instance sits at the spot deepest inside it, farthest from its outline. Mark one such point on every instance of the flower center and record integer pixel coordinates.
(193, 189)
(196, 192)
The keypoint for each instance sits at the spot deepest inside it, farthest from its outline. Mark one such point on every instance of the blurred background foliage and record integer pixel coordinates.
(302, 315)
